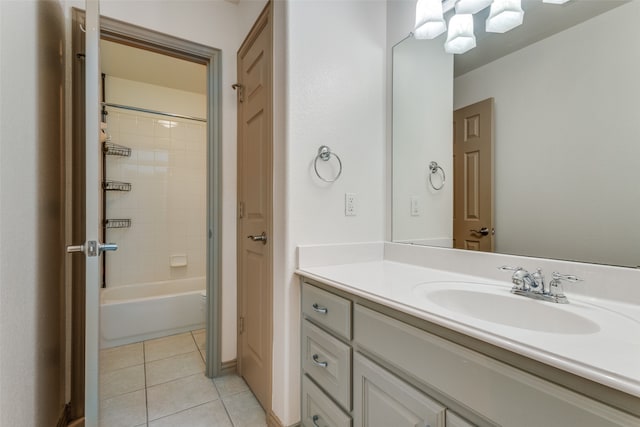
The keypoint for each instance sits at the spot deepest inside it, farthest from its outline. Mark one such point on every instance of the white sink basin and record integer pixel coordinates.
(497, 305)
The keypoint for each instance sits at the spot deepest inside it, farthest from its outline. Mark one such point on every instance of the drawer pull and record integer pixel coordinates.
(319, 309)
(315, 361)
(315, 419)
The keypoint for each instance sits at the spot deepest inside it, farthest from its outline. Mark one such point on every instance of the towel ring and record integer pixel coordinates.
(433, 168)
(324, 154)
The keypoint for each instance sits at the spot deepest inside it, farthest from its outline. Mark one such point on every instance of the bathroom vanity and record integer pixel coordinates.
(386, 343)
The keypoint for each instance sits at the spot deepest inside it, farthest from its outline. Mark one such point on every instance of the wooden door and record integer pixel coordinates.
(473, 177)
(255, 208)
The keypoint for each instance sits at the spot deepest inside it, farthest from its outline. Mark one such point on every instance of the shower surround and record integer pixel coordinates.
(162, 255)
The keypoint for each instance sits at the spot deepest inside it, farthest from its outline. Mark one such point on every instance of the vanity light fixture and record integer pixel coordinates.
(504, 16)
(471, 6)
(460, 37)
(555, 1)
(429, 19)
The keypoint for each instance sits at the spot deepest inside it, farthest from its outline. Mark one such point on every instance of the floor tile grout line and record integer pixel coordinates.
(188, 409)
(146, 395)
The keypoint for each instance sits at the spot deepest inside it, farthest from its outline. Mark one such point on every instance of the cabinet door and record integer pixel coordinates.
(381, 400)
(454, 420)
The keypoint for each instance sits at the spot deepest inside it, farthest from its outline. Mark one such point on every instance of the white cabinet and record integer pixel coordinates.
(395, 374)
(335, 379)
(454, 420)
(326, 358)
(318, 410)
(382, 399)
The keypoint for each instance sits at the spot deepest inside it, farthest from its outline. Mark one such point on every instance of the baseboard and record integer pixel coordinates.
(228, 368)
(77, 423)
(274, 421)
(65, 416)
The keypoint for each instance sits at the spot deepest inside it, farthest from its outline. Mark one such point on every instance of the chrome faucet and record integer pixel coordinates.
(533, 285)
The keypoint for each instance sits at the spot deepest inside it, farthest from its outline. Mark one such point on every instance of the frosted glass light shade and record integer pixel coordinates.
(460, 37)
(555, 1)
(429, 19)
(504, 15)
(471, 6)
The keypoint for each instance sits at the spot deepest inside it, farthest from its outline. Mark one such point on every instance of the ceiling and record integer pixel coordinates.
(126, 62)
(541, 20)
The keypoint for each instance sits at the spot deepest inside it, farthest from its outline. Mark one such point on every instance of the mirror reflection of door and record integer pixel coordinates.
(473, 226)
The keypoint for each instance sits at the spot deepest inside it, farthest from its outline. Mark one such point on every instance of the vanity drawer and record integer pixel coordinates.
(328, 361)
(327, 309)
(318, 409)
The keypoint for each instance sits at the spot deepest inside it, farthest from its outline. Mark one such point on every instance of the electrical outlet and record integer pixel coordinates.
(350, 204)
(415, 206)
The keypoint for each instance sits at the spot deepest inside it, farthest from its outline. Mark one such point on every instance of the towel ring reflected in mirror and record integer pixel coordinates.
(324, 154)
(433, 169)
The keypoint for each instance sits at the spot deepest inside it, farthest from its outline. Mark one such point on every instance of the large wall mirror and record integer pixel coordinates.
(564, 107)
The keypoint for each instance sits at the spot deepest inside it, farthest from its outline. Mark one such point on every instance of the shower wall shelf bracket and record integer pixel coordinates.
(111, 149)
(116, 186)
(117, 223)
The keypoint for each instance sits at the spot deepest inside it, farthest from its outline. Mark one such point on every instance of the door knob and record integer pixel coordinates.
(92, 248)
(260, 238)
(483, 231)
(75, 248)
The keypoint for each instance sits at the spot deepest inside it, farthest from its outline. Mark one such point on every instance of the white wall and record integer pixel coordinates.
(567, 109)
(154, 97)
(31, 221)
(335, 96)
(167, 172)
(422, 133)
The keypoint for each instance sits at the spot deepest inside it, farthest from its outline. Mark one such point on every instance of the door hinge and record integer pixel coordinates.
(240, 88)
(241, 210)
(241, 324)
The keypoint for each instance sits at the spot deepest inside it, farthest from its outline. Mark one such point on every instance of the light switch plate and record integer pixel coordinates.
(415, 206)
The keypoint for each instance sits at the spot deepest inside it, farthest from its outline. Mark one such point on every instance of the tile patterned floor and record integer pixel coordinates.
(161, 383)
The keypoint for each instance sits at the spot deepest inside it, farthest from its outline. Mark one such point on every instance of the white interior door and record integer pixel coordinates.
(92, 247)
(93, 188)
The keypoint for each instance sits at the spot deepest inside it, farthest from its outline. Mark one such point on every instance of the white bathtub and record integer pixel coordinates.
(134, 313)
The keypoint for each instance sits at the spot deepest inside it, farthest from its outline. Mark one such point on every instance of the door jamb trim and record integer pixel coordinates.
(133, 35)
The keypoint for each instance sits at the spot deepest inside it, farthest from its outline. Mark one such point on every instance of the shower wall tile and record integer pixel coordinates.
(167, 202)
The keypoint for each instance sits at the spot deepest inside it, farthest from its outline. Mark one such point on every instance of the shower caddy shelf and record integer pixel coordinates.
(116, 186)
(111, 149)
(117, 223)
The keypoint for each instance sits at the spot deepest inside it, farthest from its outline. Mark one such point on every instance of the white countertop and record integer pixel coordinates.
(609, 355)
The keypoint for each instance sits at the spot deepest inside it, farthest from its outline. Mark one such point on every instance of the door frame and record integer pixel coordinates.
(132, 35)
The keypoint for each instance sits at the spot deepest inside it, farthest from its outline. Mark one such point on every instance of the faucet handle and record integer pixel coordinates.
(555, 286)
(519, 278)
(567, 277)
(509, 268)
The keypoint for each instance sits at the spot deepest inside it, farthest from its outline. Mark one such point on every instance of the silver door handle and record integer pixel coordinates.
(103, 247)
(260, 238)
(92, 248)
(483, 231)
(315, 361)
(314, 420)
(75, 248)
